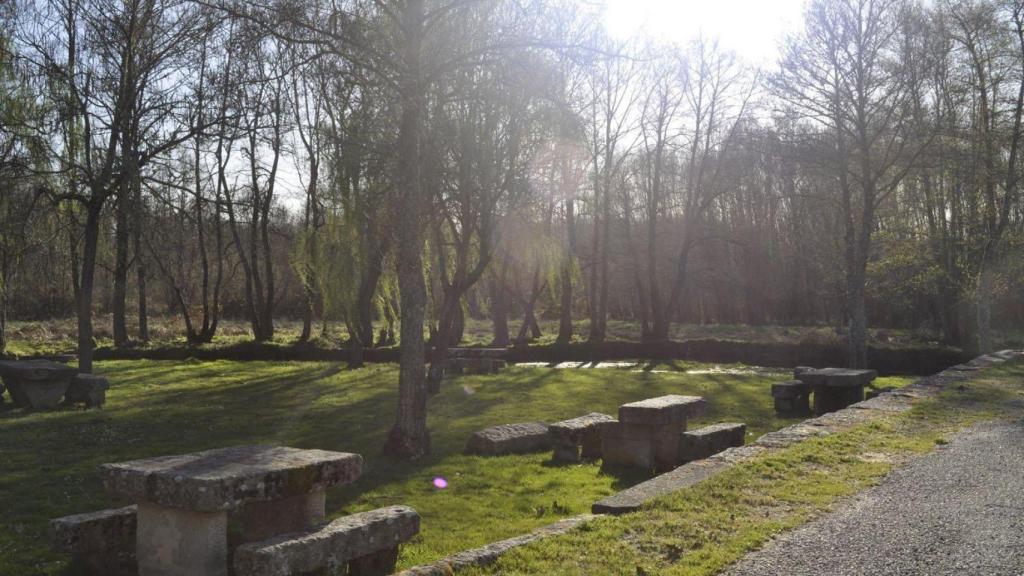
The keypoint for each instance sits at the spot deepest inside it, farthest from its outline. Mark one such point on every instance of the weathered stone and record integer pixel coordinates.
(704, 442)
(36, 384)
(173, 542)
(265, 519)
(474, 365)
(670, 409)
(87, 389)
(790, 389)
(642, 446)
(520, 438)
(331, 547)
(100, 543)
(490, 553)
(875, 392)
(836, 377)
(377, 564)
(584, 432)
(631, 499)
(792, 398)
(225, 478)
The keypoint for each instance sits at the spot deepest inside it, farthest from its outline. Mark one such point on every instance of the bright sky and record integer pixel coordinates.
(751, 28)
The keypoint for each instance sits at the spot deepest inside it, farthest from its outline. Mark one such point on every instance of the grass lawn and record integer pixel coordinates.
(48, 460)
(700, 531)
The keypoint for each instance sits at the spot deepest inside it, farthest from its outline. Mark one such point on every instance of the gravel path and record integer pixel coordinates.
(959, 510)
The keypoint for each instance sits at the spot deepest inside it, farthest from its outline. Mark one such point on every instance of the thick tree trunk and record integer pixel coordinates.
(857, 338)
(140, 261)
(409, 437)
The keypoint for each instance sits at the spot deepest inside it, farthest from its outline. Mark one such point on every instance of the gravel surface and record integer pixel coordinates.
(958, 510)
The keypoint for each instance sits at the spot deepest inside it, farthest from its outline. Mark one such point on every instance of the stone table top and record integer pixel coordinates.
(225, 478)
(36, 369)
(662, 410)
(836, 377)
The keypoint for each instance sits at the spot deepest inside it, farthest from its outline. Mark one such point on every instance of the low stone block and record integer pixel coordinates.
(368, 538)
(669, 409)
(87, 389)
(377, 564)
(792, 398)
(578, 437)
(705, 442)
(522, 438)
(100, 543)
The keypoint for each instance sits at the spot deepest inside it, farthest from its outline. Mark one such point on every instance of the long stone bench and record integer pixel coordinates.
(87, 389)
(522, 438)
(705, 442)
(578, 438)
(364, 544)
(100, 543)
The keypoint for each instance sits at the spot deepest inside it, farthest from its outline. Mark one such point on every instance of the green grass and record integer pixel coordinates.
(704, 529)
(48, 461)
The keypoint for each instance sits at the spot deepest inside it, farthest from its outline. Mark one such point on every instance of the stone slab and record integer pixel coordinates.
(36, 384)
(490, 553)
(705, 442)
(835, 377)
(330, 547)
(225, 478)
(668, 409)
(632, 499)
(100, 542)
(522, 438)
(173, 542)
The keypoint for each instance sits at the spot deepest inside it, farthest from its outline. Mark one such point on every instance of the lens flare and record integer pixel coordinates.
(440, 483)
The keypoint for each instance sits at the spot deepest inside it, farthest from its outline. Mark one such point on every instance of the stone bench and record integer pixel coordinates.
(710, 440)
(647, 433)
(100, 543)
(578, 438)
(522, 438)
(364, 544)
(36, 384)
(87, 389)
(792, 398)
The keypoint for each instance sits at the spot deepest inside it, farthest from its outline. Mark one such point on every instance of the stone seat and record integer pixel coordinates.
(87, 389)
(364, 544)
(522, 438)
(792, 398)
(100, 543)
(578, 437)
(710, 440)
(647, 433)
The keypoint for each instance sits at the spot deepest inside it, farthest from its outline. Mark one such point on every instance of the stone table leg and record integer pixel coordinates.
(171, 542)
(262, 520)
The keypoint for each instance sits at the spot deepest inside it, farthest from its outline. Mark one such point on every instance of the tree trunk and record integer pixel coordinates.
(87, 279)
(984, 298)
(120, 292)
(409, 437)
(565, 310)
(140, 261)
(499, 310)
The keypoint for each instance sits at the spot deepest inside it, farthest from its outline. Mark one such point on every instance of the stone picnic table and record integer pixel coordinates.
(183, 501)
(835, 388)
(36, 384)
